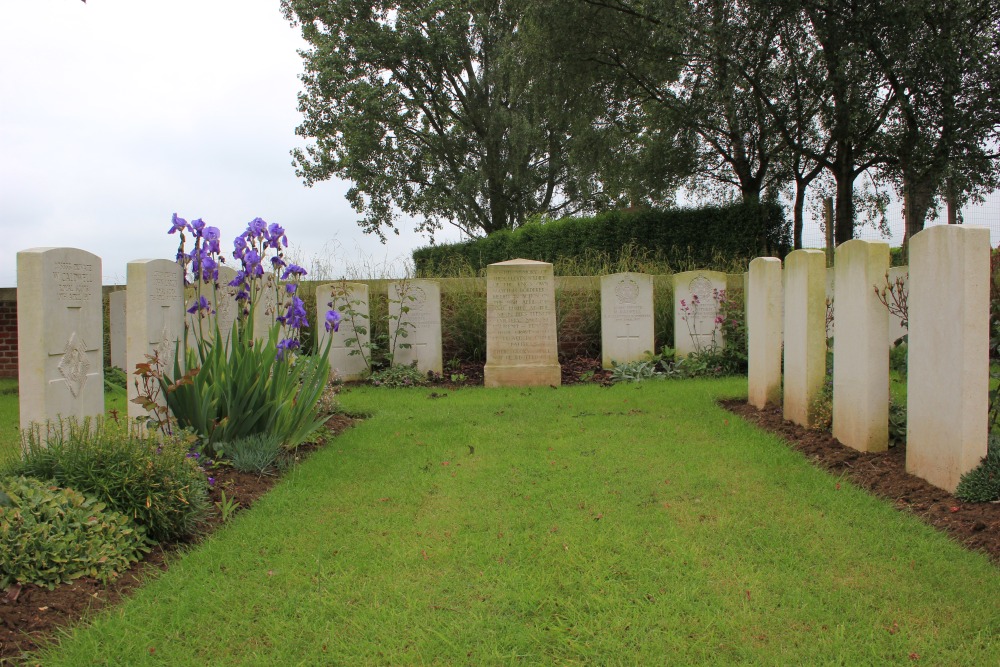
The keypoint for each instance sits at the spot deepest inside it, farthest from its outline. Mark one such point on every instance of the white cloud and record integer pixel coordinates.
(117, 113)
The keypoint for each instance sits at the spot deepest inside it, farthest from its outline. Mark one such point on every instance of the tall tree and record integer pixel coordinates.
(430, 108)
(941, 59)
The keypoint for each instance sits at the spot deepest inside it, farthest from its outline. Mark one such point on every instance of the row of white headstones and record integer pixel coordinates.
(61, 340)
(948, 345)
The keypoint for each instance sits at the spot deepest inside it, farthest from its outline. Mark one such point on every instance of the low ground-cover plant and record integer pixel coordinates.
(982, 483)
(153, 481)
(256, 453)
(51, 535)
(398, 375)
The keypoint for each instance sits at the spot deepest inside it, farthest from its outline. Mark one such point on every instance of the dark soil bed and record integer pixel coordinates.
(29, 615)
(974, 525)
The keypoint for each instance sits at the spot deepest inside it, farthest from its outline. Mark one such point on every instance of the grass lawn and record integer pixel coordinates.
(636, 524)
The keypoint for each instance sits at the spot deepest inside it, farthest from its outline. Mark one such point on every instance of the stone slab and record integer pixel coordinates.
(521, 348)
(948, 357)
(805, 333)
(421, 323)
(695, 310)
(60, 334)
(353, 335)
(764, 313)
(626, 317)
(155, 308)
(860, 353)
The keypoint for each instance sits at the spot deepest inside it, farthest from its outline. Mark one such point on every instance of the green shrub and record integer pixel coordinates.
(636, 371)
(982, 483)
(115, 377)
(50, 535)
(400, 375)
(156, 484)
(695, 236)
(255, 453)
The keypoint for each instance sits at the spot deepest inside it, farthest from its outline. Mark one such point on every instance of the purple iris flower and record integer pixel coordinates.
(240, 278)
(198, 226)
(179, 225)
(286, 345)
(332, 320)
(291, 288)
(293, 270)
(296, 316)
(240, 247)
(256, 228)
(276, 237)
(277, 262)
(200, 305)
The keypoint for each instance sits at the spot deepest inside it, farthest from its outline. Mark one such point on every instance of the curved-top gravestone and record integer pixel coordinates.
(60, 334)
(626, 317)
(696, 309)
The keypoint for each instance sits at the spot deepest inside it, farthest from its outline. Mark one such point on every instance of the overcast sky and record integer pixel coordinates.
(114, 114)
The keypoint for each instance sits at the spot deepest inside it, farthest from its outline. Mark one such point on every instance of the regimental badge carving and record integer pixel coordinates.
(416, 296)
(74, 364)
(165, 348)
(627, 291)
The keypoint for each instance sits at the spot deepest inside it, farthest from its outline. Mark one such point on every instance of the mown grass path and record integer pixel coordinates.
(628, 525)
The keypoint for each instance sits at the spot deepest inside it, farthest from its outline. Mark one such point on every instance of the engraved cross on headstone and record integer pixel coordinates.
(629, 339)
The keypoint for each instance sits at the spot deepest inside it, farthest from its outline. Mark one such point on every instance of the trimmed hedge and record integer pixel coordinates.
(693, 235)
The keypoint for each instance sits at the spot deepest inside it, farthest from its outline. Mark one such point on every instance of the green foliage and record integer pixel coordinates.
(463, 320)
(115, 377)
(982, 483)
(245, 388)
(399, 375)
(128, 468)
(429, 110)
(50, 536)
(254, 453)
(688, 235)
(898, 357)
(897, 422)
(636, 371)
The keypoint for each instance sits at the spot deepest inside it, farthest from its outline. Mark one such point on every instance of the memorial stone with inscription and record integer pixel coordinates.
(626, 317)
(421, 322)
(116, 314)
(344, 297)
(155, 307)
(696, 307)
(521, 347)
(60, 334)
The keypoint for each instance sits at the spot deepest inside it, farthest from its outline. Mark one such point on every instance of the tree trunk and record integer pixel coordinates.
(798, 217)
(843, 228)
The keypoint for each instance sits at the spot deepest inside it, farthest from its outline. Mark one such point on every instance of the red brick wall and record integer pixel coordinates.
(8, 339)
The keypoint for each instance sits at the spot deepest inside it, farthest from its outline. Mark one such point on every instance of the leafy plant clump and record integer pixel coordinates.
(258, 382)
(51, 535)
(398, 375)
(255, 453)
(157, 484)
(115, 378)
(982, 483)
(636, 371)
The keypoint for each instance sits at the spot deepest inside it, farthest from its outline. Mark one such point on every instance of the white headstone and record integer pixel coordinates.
(764, 312)
(521, 348)
(626, 317)
(421, 323)
(948, 357)
(155, 307)
(116, 315)
(805, 333)
(860, 355)
(696, 307)
(265, 311)
(60, 334)
(349, 347)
